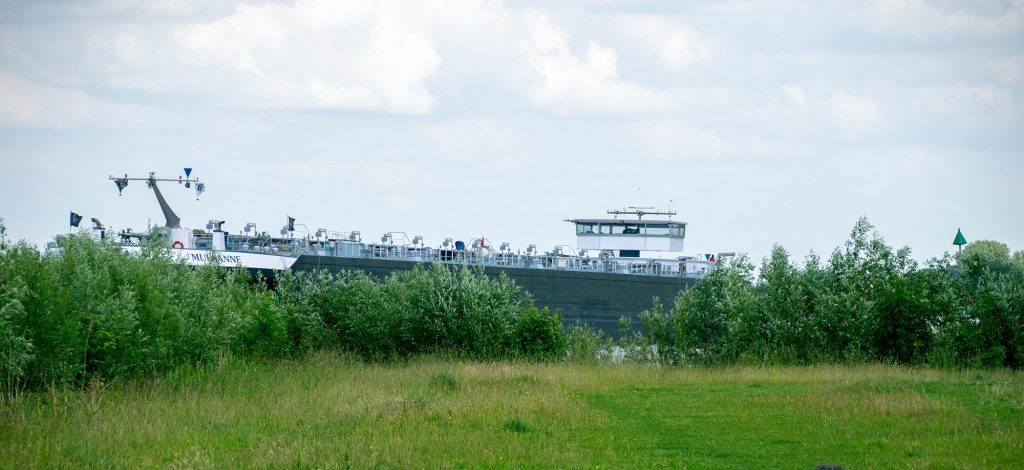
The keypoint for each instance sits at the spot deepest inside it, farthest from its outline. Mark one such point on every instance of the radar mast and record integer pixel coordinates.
(640, 212)
(173, 221)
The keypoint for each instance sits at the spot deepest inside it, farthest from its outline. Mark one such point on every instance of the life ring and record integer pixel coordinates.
(177, 244)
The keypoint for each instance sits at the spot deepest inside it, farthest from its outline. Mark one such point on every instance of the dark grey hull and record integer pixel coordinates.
(595, 298)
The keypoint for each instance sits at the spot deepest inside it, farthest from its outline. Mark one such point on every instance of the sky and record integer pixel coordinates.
(762, 122)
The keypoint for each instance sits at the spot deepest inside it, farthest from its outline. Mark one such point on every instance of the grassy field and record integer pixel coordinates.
(330, 411)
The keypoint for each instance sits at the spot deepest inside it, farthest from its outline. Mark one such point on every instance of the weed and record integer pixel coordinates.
(516, 425)
(445, 382)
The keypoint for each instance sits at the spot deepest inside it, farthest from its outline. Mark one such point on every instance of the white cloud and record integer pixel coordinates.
(568, 83)
(24, 104)
(343, 55)
(973, 106)
(795, 95)
(790, 112)
(342, 96)
(483, 143)
(989, 95)
(926, 20)
(668, 141)
(854, 116)
(1009, 69)
(317, 53)
(675, 46)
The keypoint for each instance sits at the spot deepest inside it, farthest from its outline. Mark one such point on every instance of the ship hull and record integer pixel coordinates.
(595, 298)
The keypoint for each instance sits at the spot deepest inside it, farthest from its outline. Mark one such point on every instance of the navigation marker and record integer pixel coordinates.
(959, 241)
(188, 171)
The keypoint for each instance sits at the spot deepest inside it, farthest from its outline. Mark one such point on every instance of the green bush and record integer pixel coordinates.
(659, 334)
(425, 310)
(92, 312)
(708, 315)
(586, 345)
(15, 349)
(264, 332)
(868, 301)
(538, 335)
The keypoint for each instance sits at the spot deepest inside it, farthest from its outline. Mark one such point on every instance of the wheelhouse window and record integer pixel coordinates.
(657, 229)
(666, 229)
(625, 229)
(583, 229)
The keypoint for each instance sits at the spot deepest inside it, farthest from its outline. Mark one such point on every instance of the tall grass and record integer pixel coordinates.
(332, 410)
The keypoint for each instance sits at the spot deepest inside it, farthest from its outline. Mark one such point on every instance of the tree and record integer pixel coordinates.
(901, 329)
(985, 254)
(858, 272)
(706, 315)
(775, 325)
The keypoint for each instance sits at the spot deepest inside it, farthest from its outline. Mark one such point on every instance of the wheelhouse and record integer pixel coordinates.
(629, 236)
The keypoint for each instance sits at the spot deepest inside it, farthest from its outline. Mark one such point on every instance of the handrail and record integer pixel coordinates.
(550, 261)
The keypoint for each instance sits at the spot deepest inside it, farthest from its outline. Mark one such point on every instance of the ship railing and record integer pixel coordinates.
(350, 249)
(635, 266)
(261, 244)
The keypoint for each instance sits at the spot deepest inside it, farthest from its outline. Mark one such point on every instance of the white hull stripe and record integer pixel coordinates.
(228, 259)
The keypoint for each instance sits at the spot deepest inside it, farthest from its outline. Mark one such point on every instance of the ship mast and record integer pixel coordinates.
(173, 221)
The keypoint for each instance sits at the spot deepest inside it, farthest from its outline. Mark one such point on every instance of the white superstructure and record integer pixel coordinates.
(655, 241)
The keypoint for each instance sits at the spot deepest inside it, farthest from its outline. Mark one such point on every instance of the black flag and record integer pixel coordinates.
(291, 224)
(75, 219)
(121, 184)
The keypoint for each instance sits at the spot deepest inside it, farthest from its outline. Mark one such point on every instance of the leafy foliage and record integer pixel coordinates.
(91, 312)
(869, 301)
(709, 318)
(538, 335)
(585, 344)
(419, 311)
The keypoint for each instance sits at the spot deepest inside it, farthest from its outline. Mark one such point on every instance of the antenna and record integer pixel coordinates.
(640, 212)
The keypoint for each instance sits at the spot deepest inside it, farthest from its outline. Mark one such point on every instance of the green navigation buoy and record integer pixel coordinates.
(959, 241)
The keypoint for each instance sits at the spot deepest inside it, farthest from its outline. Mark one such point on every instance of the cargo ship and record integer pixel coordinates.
(618, 265)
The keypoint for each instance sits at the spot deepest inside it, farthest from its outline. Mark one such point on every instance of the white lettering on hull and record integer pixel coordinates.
(203, 258)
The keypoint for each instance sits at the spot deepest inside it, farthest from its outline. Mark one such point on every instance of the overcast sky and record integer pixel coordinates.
(760, 122)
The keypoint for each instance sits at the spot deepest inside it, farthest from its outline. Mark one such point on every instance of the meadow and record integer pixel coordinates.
(337, 411)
